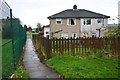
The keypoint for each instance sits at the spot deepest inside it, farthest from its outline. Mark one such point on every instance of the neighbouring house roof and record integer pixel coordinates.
(47, 26)
(115, 26)
(78, 13)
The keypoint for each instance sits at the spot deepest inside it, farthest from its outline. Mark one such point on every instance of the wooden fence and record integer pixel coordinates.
(70, 46)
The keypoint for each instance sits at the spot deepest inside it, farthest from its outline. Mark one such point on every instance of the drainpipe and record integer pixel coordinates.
(99, 30)
(103, 21)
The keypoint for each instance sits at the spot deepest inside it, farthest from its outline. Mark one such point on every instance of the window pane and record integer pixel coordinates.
(99, 20)
(94, 35)
(71, 21)
(47, 32)
(74, 35)
(87, 21)
(84, 22)
(58, 21)
(64, 35)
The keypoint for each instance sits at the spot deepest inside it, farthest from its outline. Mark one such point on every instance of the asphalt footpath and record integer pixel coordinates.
(32, 63)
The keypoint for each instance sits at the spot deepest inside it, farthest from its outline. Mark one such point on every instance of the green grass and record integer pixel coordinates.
(84, 67)
(3, 41)
(31, 33)
(0, 41)
(7, 59)
(21, 73)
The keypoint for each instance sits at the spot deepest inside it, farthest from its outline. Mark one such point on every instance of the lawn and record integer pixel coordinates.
(84, 67)
(0, 41)
(7, 60)
(3, 41)
(7, 57)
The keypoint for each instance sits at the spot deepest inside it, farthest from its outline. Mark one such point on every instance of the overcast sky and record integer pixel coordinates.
(31, 12)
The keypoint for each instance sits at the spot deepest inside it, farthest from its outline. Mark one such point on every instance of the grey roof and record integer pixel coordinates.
(115, 25)
(46, 26)
(79, 13)
(110, 25)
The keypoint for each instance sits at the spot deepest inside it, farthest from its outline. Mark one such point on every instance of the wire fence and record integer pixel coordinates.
(12, 40)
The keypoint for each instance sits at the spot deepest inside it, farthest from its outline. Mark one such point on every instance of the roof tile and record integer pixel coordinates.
(79, 13)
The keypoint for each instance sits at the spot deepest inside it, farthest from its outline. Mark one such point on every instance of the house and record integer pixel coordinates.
(34, 30)
(119, 12)
(47, 31)
(77, 23)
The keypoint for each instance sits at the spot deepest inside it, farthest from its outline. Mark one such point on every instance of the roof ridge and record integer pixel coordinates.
(57, 13)
(94, 12)
(68, 13)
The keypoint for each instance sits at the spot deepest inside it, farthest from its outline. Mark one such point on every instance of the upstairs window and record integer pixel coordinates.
(99, 21)
(87, 21)
(71, 21)
(58, 21)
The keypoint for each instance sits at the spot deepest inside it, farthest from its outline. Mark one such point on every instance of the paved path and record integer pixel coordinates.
(33, 65)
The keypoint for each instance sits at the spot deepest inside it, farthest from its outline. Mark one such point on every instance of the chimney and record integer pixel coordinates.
(75, 7)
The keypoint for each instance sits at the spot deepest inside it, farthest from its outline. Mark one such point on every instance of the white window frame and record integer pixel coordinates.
(99, 21)
(58, 20)
(94, 34)
(68, 21)
(47, 32)
(85, 21)
(73, 35)
(64, 35)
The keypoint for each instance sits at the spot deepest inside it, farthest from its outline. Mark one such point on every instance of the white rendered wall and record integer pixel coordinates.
(46, 29)
(119, 12)
(92, 28)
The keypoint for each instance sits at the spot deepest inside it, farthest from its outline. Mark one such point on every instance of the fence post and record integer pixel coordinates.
(68, 46)
(118, 50)
(72, 46)
(62, 47)
(14, 60)
(56, 46)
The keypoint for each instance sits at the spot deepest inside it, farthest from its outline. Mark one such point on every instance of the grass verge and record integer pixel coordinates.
(21, 73)
(31, 33)
(84, 67)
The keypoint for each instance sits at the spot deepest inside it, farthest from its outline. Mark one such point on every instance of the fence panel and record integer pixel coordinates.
(83, 46)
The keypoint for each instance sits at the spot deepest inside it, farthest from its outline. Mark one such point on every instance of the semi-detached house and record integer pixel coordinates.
(77, 23)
